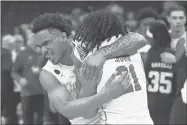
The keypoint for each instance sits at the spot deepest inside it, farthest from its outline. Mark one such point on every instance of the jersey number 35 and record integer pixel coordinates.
(160, 81)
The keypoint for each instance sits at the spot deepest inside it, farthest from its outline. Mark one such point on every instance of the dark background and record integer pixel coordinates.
(15, 13)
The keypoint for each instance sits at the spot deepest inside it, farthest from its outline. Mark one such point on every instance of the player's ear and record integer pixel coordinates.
(63, 35)
(71, 37)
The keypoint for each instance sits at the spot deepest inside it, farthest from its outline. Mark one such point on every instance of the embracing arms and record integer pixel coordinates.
(126, 45)
(63, 102)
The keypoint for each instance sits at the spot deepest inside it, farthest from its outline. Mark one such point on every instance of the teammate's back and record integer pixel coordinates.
(130, 108)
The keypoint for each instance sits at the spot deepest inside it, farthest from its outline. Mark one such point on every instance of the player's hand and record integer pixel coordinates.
(23, 81)
(93, 64)
(168, 58)
(117, 84)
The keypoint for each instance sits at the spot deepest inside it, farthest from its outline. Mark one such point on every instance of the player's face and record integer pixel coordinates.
(177, 20)
(145, 23)
(52, 45)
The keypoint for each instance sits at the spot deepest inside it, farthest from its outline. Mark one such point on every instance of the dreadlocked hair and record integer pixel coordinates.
(52, 21)
(99, 26)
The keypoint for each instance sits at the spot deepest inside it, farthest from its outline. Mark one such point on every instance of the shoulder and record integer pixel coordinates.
(46, 76)
(53, 86)
(48, 66)
(48, 80)
(136, 35)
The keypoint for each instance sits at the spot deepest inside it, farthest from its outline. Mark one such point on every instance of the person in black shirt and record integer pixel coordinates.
(160, 76)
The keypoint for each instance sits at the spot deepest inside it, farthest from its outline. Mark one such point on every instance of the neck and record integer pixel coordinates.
(66, 57)
(177, 33)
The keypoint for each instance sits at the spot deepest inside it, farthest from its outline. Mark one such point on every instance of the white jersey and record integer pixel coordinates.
(64, 74)
(132, 107)
(174, 41)
(67, 78)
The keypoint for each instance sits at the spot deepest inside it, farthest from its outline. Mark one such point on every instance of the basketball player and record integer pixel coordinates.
(99, 30)
(52, 36)
(177, 20)
(160, 76)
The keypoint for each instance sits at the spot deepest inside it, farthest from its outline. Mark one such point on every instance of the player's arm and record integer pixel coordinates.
(126, 45)
(63, 101)
(173, 58)
(180, 49)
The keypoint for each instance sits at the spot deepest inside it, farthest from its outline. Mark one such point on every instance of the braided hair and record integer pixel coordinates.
(99, 26)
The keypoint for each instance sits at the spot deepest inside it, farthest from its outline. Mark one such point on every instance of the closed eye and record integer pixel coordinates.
(39, 46)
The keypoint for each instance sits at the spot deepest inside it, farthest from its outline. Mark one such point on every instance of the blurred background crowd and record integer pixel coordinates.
(16, 34)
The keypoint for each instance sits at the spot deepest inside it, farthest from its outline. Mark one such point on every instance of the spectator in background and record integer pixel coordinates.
(8, 42)
(145, 17)
(26, 73)
(115, 8)
(166, 6)
(177, 20)
(8, 101)
(18, 46)
(19, 31)
(25, 30)
(131, 22)
(75, 17)
(178, 114)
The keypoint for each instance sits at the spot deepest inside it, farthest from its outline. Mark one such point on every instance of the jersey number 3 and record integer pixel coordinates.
(160, 82)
